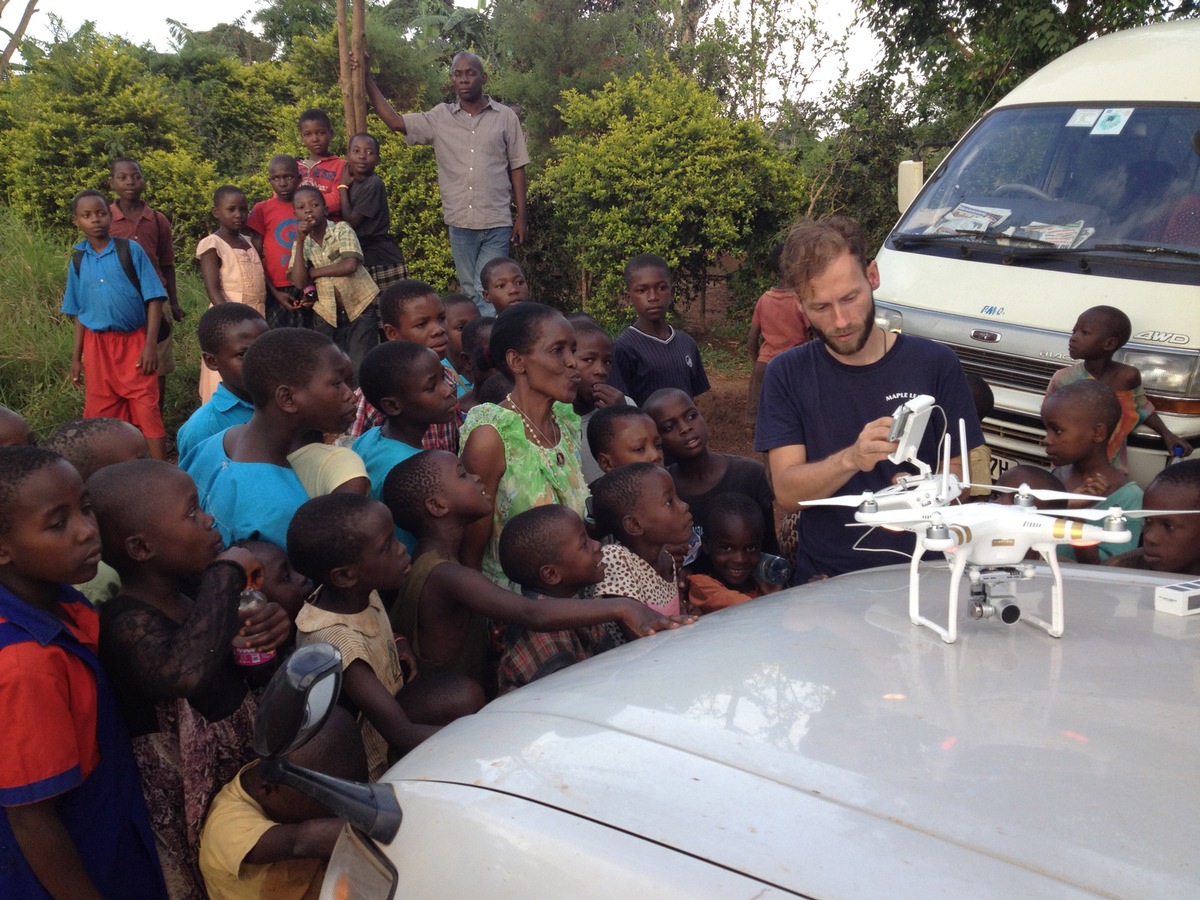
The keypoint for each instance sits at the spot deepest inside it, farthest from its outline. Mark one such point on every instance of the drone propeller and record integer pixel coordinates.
(846, 500)
(1115, 512)
(1041, 493)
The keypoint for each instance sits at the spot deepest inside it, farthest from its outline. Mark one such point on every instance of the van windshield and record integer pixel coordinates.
(1069, 177)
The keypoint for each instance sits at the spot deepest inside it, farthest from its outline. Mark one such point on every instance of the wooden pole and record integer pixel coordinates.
(345, 82)
(359, 75)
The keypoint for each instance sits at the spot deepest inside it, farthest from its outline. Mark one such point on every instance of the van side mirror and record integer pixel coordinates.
(910, 175)
(298, 700)
(294, 706)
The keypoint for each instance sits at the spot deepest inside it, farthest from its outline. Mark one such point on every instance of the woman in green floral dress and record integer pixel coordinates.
(526, 450)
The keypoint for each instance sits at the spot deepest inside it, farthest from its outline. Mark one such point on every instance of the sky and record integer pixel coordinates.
(137, 20)
(146, 20)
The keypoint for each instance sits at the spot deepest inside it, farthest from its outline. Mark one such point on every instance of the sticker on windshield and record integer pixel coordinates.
(1083, 118)
(1111, 121)
(968, 218)
(1066, 234)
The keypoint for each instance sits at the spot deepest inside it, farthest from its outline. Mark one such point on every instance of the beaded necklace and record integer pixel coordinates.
(541, 440)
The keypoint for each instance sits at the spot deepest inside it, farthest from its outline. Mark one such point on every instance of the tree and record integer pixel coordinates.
(15, 36)
(590, 48)
(233, 107)
(282, 21)
(980, 49)
(761, 55)
(849, 146)
(229, 38)
(649, 163)
(88, 100)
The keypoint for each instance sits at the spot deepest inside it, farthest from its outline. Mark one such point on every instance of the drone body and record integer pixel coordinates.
(987, 541)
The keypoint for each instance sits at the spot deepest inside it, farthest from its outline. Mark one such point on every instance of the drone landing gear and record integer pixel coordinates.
(1054, 627)
(992, 594)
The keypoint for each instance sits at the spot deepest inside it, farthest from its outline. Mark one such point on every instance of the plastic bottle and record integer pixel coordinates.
(250, 601)
(772, 569)
(1176, 456)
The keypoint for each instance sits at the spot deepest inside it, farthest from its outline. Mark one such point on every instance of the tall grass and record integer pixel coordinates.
(35, 338)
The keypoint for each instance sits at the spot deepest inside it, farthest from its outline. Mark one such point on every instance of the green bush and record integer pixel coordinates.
(649, 163)
(410, 174)
(88, 100)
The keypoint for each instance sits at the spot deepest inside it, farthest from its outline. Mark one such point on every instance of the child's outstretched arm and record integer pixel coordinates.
(382, 710)
(464, 586)
(1169, 438)
(49, 850)
(483, 455)
(313, 839)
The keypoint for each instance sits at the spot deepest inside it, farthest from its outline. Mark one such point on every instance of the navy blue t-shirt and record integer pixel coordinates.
(810, 398)
(643, 363)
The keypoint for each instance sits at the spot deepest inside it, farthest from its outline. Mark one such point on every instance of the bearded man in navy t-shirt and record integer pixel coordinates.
(826, 406)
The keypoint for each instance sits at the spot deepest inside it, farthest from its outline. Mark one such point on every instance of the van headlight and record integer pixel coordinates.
(889, 319)
(358, 869)
(1163, 372)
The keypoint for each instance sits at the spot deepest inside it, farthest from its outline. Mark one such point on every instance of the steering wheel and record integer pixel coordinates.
(1014, 187)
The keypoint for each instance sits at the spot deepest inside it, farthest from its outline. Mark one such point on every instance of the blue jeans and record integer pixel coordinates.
(472, 248)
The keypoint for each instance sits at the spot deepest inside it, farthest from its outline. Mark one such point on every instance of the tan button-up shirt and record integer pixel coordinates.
(356, 290)
(474, 154)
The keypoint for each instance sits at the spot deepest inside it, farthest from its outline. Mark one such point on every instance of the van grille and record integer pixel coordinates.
(1006, 370)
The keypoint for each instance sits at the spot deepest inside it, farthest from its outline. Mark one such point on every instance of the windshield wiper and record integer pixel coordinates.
(983, 237)
(1152, 249)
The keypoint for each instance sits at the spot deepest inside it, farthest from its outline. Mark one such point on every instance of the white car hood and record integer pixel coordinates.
(818, 741)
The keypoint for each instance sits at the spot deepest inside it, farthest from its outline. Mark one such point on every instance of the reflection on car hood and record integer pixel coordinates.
(817, 740)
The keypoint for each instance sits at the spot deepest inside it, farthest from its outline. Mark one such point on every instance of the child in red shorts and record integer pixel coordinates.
(116, 323)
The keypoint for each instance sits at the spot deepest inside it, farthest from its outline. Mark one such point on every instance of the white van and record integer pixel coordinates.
(813, 743)
(1080, 188)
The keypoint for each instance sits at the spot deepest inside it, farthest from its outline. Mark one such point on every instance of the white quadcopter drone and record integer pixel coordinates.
(987, 541)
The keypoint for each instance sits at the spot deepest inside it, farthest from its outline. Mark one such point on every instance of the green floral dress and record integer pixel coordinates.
(532, 474)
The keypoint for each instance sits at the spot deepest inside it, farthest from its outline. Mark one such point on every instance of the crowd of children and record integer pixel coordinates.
(578, 506)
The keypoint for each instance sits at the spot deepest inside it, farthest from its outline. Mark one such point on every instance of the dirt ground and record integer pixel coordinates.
(724, 406)
(724, 410)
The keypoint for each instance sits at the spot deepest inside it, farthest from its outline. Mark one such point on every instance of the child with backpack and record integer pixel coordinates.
(134, 220)
(115, 298)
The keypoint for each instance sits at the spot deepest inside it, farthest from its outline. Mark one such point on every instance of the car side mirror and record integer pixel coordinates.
(294, 706)
(298, 700)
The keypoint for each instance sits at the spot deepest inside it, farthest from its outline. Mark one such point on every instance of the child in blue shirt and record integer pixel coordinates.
(411, 310)
(297, 381)
(116, 323)
(225, 333)
(72, 819)
(405, 381)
